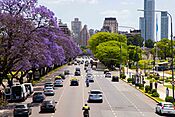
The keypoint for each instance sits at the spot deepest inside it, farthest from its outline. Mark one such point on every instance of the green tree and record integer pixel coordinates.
(164, 48)
(109, 52)
(136, 40)
(134, 54)
(101, 37)
(149, 43)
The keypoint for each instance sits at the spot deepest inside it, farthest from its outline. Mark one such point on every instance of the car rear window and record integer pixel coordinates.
(168, 105)
(96, 92)
(19, 106)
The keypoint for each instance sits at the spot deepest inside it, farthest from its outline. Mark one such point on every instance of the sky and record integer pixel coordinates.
(93, 12)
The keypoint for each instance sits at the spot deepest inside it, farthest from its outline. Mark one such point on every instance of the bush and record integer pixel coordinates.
(149, 77)
(167, 80)
(141, 86)
(169, 99)
(122, 76)
(155, 94)
(153, 91)
(129, 80)
(147, 88)
(156, 77)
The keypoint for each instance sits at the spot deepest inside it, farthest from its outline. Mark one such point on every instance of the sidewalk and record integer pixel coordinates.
(160, 89)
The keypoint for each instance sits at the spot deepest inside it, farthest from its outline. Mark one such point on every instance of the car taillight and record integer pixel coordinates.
(174, 107)
(162, 107)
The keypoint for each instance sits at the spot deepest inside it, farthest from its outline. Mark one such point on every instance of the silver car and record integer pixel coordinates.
(95, 95)
(165, 108)
(49, 91)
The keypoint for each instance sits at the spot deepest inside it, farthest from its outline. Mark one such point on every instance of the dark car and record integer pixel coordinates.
(74, 82)
(77, 73)
(22, 110)
(66, 72)
(115, 79)
(48, 106)
(62, 76)
(38, 97)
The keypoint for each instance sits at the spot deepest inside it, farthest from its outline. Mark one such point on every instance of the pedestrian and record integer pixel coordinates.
(167, 92)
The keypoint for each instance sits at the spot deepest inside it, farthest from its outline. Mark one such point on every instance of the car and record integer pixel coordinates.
(77, 69)
(29, 88)
(108, 75)
(106, 70)
(62, 76)
(38, 97)
(165, 108)
(48, 84)
(66, 72)
(48, 106)
(115, 79)
(77, 73)
(74, 82)
(58, 83)
(22, 110)
(49, 91)
(58, 78)
(95, 95)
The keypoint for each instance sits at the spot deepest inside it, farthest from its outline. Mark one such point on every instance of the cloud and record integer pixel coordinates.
(70, 1)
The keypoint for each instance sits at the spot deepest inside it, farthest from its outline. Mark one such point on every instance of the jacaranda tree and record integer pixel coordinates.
(30, 39)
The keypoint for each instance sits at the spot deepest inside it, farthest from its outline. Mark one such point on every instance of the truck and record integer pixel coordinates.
(18, 92)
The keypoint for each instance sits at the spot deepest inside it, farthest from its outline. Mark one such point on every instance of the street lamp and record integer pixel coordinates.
(172, 55)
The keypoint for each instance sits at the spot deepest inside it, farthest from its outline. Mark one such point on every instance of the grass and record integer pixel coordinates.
(43, 78)
(157, 99)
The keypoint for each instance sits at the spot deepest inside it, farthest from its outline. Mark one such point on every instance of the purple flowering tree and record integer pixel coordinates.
(30, 39)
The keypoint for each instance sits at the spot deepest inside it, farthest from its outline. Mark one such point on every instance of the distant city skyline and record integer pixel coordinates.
(93, 12)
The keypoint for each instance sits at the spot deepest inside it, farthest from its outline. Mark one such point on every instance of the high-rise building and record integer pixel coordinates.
(64, 28)
(91, 32)
(164, 25)
(110, 25)
(149, 15)
(84, 36)
(142, 26)
(76, 28)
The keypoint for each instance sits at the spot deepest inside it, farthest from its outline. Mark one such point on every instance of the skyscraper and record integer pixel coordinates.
(149, 15)
(142, 26)
(110, 25)
(76, 28)
(84, 36)
(164, 25)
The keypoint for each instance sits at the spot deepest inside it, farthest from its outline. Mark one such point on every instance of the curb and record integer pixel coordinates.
(141, 91)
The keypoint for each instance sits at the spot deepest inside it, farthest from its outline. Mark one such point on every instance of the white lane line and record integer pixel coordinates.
(113, 112)
(129, 100)
(83, 89)
(63, 92)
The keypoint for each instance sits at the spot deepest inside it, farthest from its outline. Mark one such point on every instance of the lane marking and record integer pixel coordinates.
(113, 112)
(128, 99)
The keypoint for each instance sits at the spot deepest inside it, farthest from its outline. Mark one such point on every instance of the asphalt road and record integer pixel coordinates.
(119, 98)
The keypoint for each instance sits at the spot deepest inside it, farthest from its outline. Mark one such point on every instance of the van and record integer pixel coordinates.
(19, 92)
(29, 88)
(7, 93)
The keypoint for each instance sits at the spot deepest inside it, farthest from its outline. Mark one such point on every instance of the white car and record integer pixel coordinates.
(95, 95)
(165, 108)
(49, 91)
(108, 75)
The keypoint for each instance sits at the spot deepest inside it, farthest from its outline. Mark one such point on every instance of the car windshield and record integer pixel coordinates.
(96, 92)
(38, 93)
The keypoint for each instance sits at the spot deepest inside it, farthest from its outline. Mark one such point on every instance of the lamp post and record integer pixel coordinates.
(172, 55)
